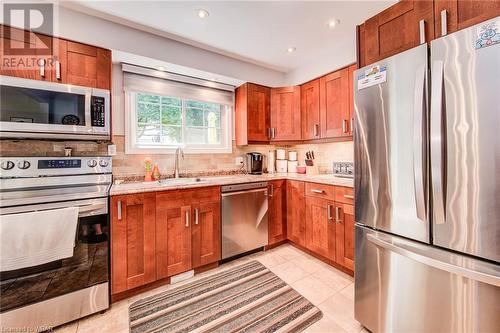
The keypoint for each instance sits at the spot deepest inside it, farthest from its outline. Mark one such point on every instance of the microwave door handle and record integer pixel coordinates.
(419, 152)
(438, 142)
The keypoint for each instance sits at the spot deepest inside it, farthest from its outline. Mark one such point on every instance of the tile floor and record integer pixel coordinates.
(324, 286)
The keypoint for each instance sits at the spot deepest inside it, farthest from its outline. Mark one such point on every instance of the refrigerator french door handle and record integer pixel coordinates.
(438, 142)
(434, 262)
(419, 149)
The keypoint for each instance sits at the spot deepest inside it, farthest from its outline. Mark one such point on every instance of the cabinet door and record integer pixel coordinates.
(334, 104)
(25, 54)
(344, 216)
(206, 234)
(320, 227)
(296, 206)
(352, 68)
(277, 211)
(132, 241)
(461, 14)
(79, 64)
(173, 235)
(309, 106)
(285, 114)
(397, 29)
(258, 112)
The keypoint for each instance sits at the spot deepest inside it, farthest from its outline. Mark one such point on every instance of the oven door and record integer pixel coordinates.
(39, 109)
(65, 282)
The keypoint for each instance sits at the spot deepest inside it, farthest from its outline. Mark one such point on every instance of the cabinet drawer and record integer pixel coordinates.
(319, 191)
(188, 196)
(344, 195)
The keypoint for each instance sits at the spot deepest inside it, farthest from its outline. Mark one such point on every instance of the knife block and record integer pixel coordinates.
(312, 170)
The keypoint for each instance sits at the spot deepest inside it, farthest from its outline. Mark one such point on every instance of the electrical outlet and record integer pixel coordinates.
(238, 160)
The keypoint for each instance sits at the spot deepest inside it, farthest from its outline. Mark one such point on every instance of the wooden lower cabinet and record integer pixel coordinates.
(158, 235)
(320, 227)
(296, 208)
(344, 253)
(277, 211)
(132, 241)
(206, 234)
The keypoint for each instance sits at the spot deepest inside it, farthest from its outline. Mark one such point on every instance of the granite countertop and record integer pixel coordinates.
(174, 184)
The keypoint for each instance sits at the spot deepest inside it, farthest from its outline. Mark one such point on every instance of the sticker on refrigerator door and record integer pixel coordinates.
(372, 76)
(487, 34)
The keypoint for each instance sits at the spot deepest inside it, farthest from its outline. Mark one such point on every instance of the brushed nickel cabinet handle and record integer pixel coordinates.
(58, 70)
(444, 22)
(317, 191)
(344, 126)
(352, 124)
(271, 190)
(329, 212)
(273, 132)
(187, 219)
(42, 67)
(196, 216)
(316, 130)
(337, 215)
(348, 196)
(421, 25)
(119, 215)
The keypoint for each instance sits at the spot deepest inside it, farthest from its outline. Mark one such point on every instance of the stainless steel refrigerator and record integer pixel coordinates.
(427, 186)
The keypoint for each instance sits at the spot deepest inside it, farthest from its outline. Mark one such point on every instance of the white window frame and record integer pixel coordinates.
(132, 147)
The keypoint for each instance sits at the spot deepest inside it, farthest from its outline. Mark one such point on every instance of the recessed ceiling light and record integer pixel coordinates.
(203, 13)
(160, 68)
(333, 23)
(291, 49)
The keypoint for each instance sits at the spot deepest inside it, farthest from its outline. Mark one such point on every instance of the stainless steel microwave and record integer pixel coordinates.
(47, 110)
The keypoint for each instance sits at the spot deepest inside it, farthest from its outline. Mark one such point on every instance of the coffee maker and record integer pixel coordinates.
(254, 163)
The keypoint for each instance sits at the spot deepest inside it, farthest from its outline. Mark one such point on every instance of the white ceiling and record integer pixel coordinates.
(256, 31)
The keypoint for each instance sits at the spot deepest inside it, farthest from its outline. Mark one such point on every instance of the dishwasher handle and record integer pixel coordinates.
(264, 189)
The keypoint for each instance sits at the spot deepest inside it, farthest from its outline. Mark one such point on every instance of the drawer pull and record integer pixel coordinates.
(318, 191)
(337, 215)
(348, 196)
(329, 211)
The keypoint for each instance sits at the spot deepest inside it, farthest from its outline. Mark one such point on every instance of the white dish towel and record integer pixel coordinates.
(35, 238)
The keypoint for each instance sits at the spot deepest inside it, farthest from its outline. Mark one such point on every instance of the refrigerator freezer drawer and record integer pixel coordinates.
(405, 286)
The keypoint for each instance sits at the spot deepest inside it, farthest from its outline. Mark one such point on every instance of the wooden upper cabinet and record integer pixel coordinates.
(352, 68)
(309, 105)
(296, 206)
(277, 211)
(252, 111)
(206, 233)
(285, 114)
(360, 45)
(344, 254)
(461, 14)
(397, 29)
(83, 65)
(132, 241)
(334, 104)
(320, 227)
(25, 54)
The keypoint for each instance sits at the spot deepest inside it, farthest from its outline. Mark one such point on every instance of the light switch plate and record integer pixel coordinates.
(238, 160)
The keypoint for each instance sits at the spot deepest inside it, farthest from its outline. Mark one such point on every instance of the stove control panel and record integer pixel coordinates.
(12, 167)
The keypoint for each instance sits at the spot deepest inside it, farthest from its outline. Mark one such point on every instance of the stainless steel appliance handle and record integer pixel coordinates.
(433, 262)
(337, 214)
(329, 212)
(119, 214)
(42, 67)
(438, 143)
(444, 22)
(196, 216)
(245, 191)
(58, 70)
(187, 219)
(317, 191)
(421, 25)
(419, 150)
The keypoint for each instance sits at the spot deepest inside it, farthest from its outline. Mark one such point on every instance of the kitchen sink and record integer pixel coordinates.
(181, 181)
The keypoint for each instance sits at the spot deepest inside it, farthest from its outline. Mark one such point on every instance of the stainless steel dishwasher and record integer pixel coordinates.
(244, 218)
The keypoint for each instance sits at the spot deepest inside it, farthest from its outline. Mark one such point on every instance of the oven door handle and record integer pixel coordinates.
(90, 207)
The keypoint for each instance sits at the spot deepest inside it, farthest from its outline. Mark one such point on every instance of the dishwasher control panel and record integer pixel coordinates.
(243, 187)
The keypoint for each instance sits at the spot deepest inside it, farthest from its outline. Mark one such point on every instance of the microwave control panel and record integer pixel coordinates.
(97, 111)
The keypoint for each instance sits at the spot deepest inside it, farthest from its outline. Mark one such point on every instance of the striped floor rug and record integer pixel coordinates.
(246, 298)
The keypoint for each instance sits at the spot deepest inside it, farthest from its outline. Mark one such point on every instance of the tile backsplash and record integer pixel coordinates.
(126, 165)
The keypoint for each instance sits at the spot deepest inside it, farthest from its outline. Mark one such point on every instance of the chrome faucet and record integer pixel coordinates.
(178, 152)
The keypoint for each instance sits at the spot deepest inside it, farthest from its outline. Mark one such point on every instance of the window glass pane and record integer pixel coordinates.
(194, 117)
(171, 101)
(148, 98)
(212, 118)
(203, 136)
(148, 133)
(148, 113)
(171, 115)
(171, 135)
(213, 136)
